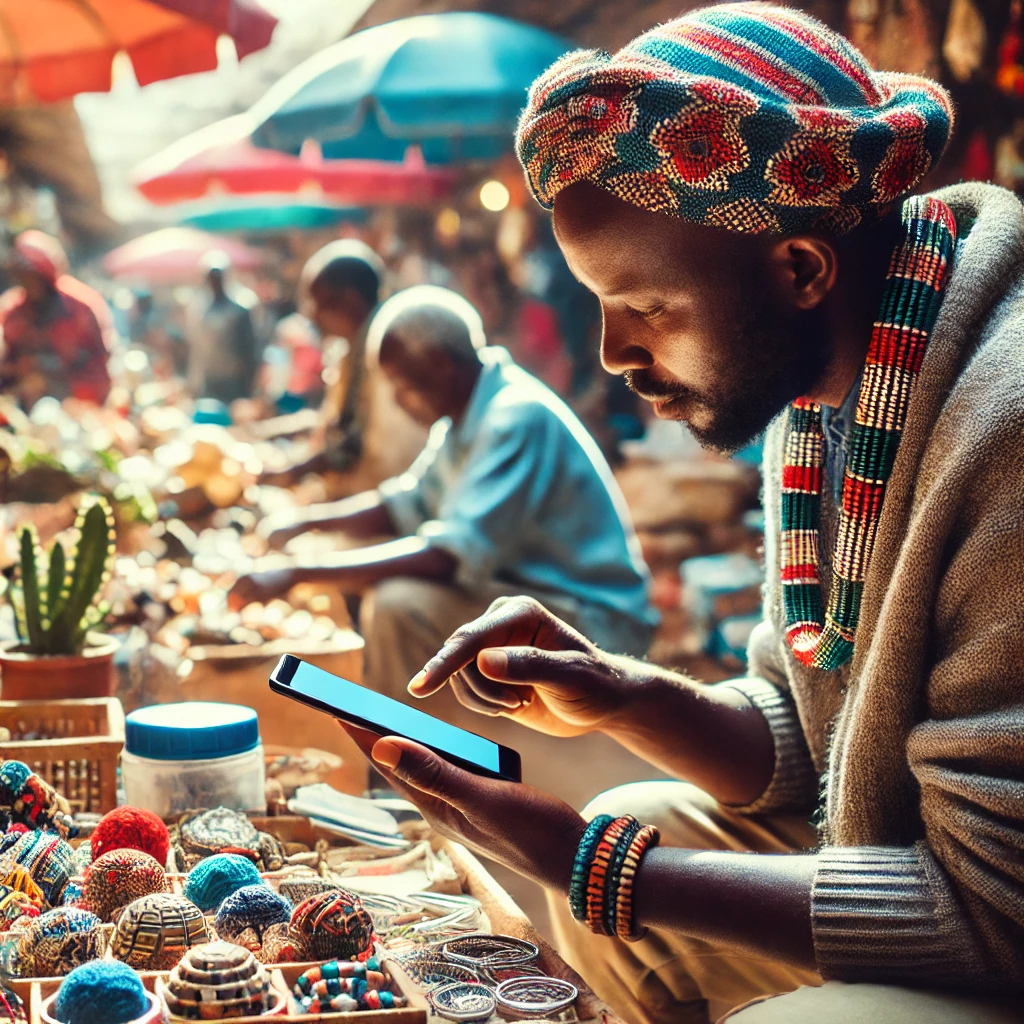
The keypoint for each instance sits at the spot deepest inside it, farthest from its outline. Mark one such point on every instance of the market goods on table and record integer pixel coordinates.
(288, 921)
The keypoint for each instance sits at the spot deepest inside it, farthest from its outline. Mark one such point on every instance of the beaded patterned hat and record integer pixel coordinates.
(120, 877)
(745, 116)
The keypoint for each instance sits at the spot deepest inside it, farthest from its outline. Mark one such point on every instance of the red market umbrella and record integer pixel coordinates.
(220, 159)
(51, 50)
(173, 256)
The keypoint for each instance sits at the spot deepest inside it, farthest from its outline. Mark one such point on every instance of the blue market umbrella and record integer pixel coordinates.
(453, 84)
(262, 215)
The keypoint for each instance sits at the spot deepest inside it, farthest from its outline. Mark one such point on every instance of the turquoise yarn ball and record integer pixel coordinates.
(212, 880)
(101, 992)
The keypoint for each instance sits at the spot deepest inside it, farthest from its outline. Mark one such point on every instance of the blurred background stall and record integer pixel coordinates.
(191, 164)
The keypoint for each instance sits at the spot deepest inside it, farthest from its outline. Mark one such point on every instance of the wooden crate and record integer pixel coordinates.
(413, 1013)
(79, 755)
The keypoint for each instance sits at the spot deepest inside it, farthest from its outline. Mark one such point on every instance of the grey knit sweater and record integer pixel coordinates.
(920, 738)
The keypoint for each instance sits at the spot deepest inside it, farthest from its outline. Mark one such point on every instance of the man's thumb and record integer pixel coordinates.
(420, 768)
(531, 665)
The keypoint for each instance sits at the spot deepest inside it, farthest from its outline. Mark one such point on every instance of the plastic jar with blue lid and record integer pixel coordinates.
(196, 754)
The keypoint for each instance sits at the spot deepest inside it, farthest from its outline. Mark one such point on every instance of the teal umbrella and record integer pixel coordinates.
(453, 84)
(266, 214)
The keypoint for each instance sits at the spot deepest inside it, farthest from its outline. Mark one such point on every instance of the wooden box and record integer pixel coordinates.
(80, 751)
(414, 1013)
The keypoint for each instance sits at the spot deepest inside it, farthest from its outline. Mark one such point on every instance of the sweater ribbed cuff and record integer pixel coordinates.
(794, 781)
(877, 915)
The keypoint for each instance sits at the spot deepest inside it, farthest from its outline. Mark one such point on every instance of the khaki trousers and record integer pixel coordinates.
(667, 977)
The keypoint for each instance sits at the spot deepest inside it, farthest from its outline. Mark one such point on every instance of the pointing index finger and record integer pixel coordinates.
(459, 650)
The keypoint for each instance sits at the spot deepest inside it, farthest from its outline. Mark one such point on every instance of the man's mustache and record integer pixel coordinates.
(649, 388)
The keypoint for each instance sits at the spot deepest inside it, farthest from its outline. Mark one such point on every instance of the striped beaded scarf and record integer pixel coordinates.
(914, 286)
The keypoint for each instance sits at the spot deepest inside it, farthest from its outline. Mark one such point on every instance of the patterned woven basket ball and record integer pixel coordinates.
(120, 877)
(331, 926)
(47, 858)
(153, 933)
(56, 942)
(215, 981)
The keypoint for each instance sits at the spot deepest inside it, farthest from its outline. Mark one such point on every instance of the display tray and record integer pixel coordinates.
(414, 1013)
(502, 913)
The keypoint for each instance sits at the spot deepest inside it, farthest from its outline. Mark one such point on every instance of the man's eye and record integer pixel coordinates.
(647, 314)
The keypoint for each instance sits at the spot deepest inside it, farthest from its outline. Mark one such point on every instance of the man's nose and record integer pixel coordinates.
(621, 347)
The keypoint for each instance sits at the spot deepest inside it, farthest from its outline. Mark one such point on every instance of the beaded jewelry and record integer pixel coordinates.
(426, 967)
(345, 985)
(488, 951)
(536, 995)
(581, 865)
(646, 838)
(460, 1001)
(609, 852)
(597, 882)
(618, 857)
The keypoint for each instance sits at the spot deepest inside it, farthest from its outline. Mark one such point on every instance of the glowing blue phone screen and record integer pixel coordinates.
(393, 716)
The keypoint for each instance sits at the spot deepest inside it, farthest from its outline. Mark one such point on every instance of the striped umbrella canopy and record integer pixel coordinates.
(51, 50)
(452, 84)
(173, 256)
(264, 215)
(221, 160)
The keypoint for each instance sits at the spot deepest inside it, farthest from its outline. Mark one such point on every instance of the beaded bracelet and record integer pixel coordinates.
(598, 882)
(608, 856)
(581, 865)
(645, 839)
(612, 883)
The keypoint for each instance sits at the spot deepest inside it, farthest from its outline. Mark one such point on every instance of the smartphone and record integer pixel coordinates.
(371, 710)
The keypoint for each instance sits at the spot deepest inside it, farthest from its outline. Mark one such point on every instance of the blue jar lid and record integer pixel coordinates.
(191, 731)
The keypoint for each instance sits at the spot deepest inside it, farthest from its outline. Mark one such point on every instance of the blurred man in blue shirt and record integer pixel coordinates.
(510, 496)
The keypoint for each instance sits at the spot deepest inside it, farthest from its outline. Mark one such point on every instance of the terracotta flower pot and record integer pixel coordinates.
(58, 676)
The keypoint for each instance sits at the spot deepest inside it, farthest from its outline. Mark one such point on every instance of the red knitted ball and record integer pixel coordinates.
(131, 828)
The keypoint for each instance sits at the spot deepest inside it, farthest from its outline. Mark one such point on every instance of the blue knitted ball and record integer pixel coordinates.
(212, 880)
(254, 907)
(101, 992)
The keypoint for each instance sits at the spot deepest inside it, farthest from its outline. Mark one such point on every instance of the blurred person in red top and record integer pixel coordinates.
(53, 340)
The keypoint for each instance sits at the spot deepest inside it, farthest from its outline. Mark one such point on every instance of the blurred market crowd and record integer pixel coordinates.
(159, 343)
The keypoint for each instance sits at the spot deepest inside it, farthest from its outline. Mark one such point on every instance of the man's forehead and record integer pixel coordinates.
(626, 249)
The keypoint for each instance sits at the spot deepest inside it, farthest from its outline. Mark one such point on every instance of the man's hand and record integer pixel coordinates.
(525, 829)
(520, 661)
(261, 586)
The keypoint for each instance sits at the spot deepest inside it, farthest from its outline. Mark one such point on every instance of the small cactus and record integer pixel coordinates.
(58, 599)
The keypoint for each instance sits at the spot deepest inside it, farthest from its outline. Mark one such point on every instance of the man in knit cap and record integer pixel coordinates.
(733, 186)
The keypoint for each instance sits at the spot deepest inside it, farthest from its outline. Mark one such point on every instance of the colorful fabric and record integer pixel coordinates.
(744, 116)
(118, 878)
(916, 280)
(27, 799)
(56, 942)
(47, 858)
(39, 253)
(332, 926)
(64, 345)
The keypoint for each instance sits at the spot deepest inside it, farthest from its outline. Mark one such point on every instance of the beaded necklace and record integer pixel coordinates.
(917, 277)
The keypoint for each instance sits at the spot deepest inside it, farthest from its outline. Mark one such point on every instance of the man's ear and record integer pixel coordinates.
(805, 267)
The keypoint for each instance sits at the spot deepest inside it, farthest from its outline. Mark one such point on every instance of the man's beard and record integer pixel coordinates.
(775, 358)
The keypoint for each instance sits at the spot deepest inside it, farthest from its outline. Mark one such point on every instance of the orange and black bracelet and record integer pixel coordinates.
(601, 888)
